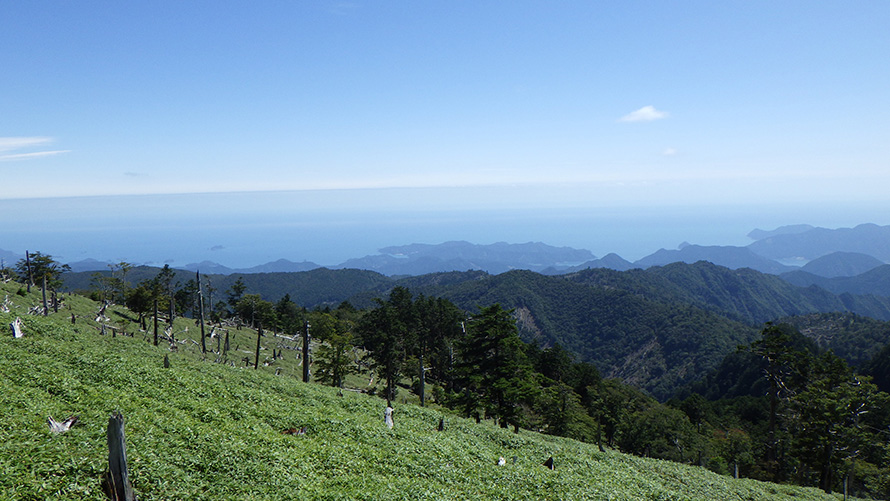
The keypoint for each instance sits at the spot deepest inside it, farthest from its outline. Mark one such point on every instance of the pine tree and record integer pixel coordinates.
(494, 374)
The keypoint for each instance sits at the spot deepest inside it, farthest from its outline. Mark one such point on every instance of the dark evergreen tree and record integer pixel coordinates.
(385, 334)
(333, 359)
(235, 292)
(494, 374)
(828, 418)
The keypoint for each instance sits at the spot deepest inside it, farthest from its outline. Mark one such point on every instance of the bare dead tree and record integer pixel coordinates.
(156, 321)
(43, 291)
(201, 309)
(28, 266)
(306, 339)
(259, 336)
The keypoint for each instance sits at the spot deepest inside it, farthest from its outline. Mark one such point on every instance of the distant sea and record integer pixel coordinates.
(248, 229)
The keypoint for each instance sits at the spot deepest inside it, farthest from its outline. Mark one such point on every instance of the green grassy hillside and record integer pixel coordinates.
(205, 430)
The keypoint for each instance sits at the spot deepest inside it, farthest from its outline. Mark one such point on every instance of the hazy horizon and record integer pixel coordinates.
(241, 230)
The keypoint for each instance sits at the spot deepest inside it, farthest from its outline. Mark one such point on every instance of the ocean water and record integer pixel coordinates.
(243, 230)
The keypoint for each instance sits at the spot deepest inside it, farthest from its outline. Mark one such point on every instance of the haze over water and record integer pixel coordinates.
(249, 229)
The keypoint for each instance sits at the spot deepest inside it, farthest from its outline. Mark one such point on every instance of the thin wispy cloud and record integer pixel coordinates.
(18, 143)
(644, 114)
(669, 152)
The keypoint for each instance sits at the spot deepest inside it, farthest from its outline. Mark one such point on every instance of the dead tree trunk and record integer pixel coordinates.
(28, 265)
(201, 309)
(156, 321)
(43, 290)
(306, 351)
(259, 335)
(226, 347)
(422, 381)
(117, 479)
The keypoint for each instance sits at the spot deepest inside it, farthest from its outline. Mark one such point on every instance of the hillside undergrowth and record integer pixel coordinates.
(205, 430)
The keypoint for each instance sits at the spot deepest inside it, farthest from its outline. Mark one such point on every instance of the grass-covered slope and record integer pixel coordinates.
(202, 430)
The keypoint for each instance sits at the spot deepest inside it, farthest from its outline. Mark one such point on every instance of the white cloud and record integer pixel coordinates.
(25, 156)
(644, 114)
(669, 152)
(17, 143)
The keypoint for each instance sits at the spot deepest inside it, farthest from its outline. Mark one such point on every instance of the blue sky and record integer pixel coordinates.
(537, 104)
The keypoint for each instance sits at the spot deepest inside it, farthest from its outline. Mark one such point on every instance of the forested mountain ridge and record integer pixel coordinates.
(728, 256)
(653, 345)
(611, 323)
(744, 295)
(875, 281)
(854, 338)
(657, 328)
(863, 343)
(842, 264)
(318, 287)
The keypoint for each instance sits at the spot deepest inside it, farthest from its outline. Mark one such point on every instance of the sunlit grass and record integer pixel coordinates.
(205, 430)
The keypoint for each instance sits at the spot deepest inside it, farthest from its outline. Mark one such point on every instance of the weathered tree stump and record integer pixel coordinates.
(387, 416)
(16, 326)
(549, 462)
(61, 426)
(116, 483)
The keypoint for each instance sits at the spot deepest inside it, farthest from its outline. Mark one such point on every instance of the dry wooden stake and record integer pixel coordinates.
(116, 483)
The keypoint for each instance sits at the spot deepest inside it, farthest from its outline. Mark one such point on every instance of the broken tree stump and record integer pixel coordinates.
(387, 416)
(116, 483)
(16, 326)
(549, 462)
(61, 426)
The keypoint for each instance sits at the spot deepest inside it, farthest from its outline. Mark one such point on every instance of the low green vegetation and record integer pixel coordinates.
(199, 429)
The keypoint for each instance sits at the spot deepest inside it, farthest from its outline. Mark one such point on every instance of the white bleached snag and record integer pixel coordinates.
(16, 326)
(63, 426)
(387, 417)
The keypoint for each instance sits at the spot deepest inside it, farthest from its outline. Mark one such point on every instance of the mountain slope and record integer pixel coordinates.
(869, 239)
(418, 259)
(841, 264)
(745, 295)
(206, 431)
(854, 338)
(655, 346)
(874, 282)
(317, 287)
(728, 256)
